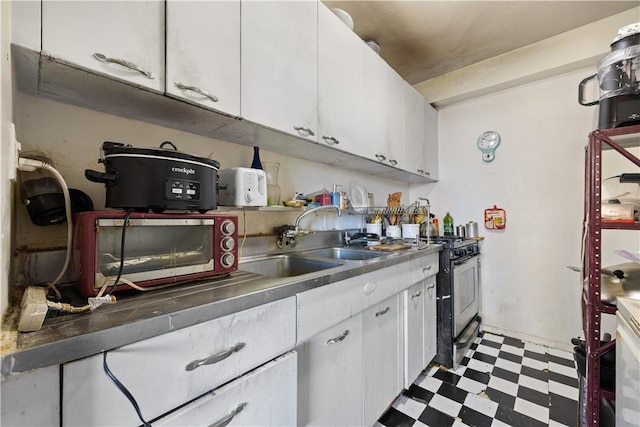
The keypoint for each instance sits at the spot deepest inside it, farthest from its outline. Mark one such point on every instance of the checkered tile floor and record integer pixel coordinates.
(502, 381)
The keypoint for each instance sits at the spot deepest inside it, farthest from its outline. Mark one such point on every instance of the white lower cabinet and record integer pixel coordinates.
(381, 356)
(263, 397)
(330, 376)
(31, 398)
(169, 370)
(420, 322)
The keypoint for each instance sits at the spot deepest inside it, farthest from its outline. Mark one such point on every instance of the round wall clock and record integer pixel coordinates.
(487, 143)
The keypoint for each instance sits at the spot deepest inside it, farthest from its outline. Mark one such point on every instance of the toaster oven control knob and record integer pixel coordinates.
(227, 259)
(227, 227)
(248, 197)
(227, 243)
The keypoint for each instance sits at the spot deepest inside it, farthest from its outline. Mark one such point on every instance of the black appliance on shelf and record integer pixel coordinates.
(457, 298)
(618, 81)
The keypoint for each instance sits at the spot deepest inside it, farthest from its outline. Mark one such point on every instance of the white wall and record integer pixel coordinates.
(537, 177)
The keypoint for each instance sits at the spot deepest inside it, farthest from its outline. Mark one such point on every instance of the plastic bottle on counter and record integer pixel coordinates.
(256, 163)
(447, 223)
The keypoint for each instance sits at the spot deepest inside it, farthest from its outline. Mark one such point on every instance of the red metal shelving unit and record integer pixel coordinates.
(618, 139)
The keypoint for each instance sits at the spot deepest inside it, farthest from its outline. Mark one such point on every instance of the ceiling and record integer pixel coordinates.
(424, 39)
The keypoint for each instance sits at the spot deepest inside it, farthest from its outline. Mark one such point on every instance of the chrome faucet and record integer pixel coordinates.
(316, 209)
(287, 234)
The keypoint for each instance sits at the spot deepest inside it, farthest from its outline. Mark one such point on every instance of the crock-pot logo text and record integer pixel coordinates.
(184, 171)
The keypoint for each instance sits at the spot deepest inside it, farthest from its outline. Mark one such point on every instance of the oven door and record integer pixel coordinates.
(466, 293)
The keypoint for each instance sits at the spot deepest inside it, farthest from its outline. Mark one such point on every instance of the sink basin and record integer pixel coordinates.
(285, 266)
(346, 254)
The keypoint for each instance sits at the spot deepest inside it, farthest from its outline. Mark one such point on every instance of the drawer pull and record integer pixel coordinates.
(416, 295)
(197, 90)
(431, 286)
(330, 140)
(304, 130)
(338, 338)
(370, 287)
(426, 269)
(126, 64)
(227, 418)
(215, 358)
(383, 312)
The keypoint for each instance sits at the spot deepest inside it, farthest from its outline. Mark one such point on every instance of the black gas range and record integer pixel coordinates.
(458, 298)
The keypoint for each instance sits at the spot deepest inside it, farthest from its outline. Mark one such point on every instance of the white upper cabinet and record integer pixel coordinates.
(203, 53)
(414, 139)
(383, 109)
(431, 141)
(279, 71)
(340, 84)
(121, 39)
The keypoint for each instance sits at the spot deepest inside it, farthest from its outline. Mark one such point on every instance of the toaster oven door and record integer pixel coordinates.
(154, 249)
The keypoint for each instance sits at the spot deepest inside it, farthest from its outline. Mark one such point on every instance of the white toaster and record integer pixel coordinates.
(242, 187)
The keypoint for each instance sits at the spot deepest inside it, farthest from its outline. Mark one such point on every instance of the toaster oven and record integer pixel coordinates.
(157, 248)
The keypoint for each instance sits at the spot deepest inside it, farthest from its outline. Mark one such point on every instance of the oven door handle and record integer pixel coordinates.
(460, 261)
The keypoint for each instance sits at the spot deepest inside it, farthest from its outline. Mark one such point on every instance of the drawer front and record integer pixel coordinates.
(424, 267)
(323, 307)
(169, 370)
(266, 396)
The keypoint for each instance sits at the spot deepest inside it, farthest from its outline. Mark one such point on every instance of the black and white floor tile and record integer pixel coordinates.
(502, 381)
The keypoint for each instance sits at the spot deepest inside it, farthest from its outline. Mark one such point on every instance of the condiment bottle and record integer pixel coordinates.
(447, 223)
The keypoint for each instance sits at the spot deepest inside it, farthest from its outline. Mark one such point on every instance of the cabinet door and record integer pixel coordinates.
(330, 380)
(395, 122)
(279, 65)
(263, 397)
(381, 357)
(383, 110)
(414, 140)
(126, 36)
(169, 370)
(203, 53)
(340, 84)
(430, 321)
(431, 141)
(414, 335)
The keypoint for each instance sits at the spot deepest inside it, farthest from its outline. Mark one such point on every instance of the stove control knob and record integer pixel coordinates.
(227, 259)
(227, 227)
(227, 243)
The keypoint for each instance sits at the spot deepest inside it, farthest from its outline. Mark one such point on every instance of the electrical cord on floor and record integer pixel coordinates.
(122, 240)
(123, 389)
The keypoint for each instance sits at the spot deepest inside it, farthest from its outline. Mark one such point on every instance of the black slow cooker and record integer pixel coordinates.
(156, 179)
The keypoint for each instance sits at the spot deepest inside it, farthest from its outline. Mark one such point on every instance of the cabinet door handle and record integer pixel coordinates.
(304, 131)
(330, 140)
(214, 358)
(428, 173)
(420, 171)
(197, 90)
(130, 65)
(426, 269)
(338, 338)
(383, 312)
(416, 295)
(227, 418)
(393, 162)
(380, 157)
(431, 286)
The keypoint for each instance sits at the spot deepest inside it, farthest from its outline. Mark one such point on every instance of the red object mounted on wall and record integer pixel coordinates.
(495, 218)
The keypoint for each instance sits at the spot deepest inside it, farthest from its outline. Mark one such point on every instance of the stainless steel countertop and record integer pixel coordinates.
(146, 315)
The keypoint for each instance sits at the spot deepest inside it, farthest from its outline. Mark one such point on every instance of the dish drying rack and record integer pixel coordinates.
(416, 208)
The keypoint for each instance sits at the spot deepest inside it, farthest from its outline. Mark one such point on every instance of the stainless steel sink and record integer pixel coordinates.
(286, 266)
(345, 254)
